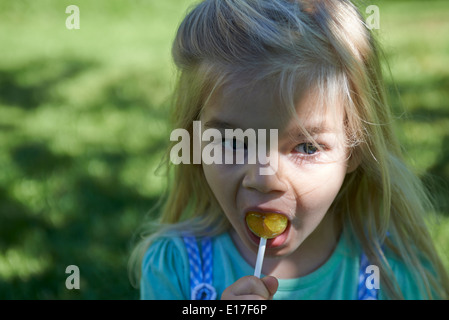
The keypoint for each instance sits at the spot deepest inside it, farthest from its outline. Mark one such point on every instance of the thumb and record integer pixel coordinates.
(271, 283)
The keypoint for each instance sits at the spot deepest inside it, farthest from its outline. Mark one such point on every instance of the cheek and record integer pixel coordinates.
(221, 182)
(219, 173)
(322, 186)
(213, 177)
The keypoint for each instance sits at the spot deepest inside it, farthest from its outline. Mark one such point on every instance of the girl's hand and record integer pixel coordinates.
(251, 288)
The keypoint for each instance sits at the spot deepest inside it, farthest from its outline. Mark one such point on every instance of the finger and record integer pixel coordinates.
(272, 284)
(249, 286)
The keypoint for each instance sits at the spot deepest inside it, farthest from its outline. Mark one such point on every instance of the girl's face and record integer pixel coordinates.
(305, 183)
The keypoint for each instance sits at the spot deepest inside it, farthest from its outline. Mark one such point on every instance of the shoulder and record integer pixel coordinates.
(409, 282)
(163, 250)
(165, 269)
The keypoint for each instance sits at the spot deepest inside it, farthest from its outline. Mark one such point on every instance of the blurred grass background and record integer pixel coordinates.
(82, 128)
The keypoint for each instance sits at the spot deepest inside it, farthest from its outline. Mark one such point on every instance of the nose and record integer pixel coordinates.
(253, 179)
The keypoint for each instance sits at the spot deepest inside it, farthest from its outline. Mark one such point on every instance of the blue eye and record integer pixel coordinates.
(306, 148)
(234, 144)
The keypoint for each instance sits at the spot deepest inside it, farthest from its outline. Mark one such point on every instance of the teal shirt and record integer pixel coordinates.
(165, 273)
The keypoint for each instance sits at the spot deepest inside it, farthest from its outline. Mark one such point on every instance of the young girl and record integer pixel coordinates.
(309, 70)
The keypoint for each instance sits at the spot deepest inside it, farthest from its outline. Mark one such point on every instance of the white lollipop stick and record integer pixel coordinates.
(260, 254)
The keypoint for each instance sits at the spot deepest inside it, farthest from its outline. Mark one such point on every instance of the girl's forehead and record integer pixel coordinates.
(263, 106)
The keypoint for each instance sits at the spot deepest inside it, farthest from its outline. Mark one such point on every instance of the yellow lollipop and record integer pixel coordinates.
(266, 226)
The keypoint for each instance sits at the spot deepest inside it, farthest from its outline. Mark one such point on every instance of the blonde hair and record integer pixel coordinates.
(323, 45)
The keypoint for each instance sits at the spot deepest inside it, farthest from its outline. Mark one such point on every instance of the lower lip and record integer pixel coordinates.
(271, 243)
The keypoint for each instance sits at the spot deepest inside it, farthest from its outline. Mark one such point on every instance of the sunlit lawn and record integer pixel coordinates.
(82, 122)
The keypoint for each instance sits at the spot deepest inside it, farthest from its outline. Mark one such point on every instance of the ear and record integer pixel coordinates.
(353, 161)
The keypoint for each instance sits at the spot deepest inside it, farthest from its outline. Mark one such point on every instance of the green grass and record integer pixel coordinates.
(82, 122)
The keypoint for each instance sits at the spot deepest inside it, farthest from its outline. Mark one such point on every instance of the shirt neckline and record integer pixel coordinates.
(317, 276)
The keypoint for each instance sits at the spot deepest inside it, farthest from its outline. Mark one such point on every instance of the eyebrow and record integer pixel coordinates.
(214, 123)
(314, 130)
(218, 124)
